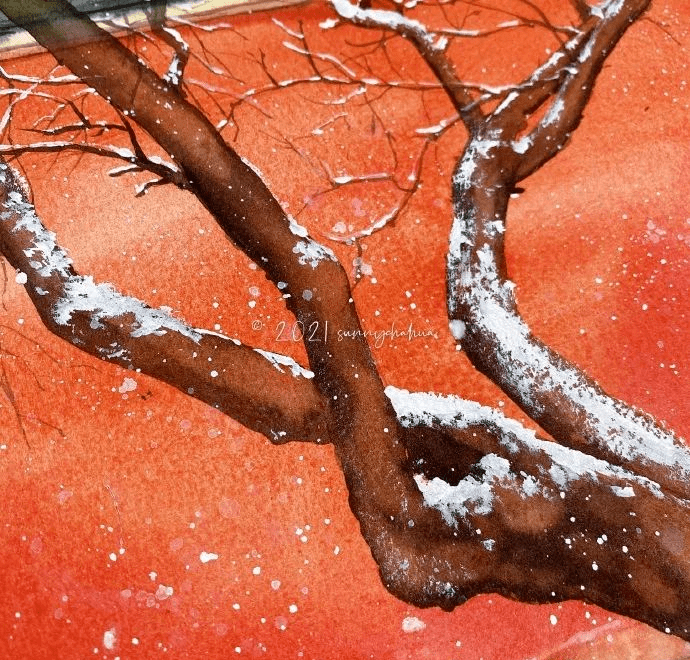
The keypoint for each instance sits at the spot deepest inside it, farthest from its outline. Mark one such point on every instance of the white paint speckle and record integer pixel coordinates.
(412, 624)
(128, 385)
(457, 329)
(205, 557)
(109, 639)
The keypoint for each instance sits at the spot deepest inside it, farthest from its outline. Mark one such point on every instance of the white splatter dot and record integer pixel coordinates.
(164, 592)
(411, 624)
(205, 557)
(109, 638)
(128, 385)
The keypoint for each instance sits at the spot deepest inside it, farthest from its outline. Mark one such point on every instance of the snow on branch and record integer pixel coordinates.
(482, 305)
(565, 82)
(156, 16)
(121, 329)
(566, 465)
(553, 392)
(67, 79)
(575, 526)
(413, 183)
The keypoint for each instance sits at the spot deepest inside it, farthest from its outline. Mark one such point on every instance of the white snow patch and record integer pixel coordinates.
(296, 228)
(623, 491)
(436, 128)
(477, 149)
(279, 361)
(103, 302)
(312, 253)
(554, 112)
(328, 23)
(457, 329)
(390, 20)
(471, 495)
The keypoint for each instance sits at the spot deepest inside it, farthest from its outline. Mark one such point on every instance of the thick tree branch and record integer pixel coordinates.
(482, 308)
(537, 521)
(280, 399)
(485, 320)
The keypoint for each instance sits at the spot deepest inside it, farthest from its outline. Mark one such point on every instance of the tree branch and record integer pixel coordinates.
(430, 50)
(155, 14)
(279, 401)
(537, 521)
(482, 307)
(577, 82)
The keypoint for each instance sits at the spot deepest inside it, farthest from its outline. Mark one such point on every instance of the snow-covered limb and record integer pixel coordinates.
(566, 466)
(384, 19)
(556, 394)
(438, 128)
(121, 329)
(553, 392)
(565, 81)
(397, 22)
(350, 237)
(68, 79)
(599, 531)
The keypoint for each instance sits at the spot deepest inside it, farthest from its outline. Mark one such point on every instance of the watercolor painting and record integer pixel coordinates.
(344, 329)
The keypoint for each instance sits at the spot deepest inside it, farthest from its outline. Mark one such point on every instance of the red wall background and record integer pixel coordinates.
(114, 487)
